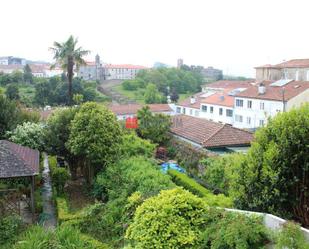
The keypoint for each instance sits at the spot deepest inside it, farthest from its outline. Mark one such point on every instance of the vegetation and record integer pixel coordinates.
(274, 175)
(28, 134)
(95, 136)
(190, 184)
(10, 228)
(152, 95)
(12, 92)
(59, 175)
(154, 127)
(68, 55)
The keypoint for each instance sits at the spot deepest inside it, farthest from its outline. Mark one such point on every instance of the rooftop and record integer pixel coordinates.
(272, 92)
(17, 160)
(209, 134)
(295, 63)
(124, 66)
(229, 84)
(133, 108)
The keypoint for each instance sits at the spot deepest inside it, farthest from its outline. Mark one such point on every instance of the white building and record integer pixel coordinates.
(121, 71)
(256, 104)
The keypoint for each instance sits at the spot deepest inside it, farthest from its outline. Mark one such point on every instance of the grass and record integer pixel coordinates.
(133, 95)
(183, 96)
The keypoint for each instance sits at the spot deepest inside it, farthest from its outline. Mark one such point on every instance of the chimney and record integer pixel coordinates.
(221, 98)
(192, 100)
(261, 89)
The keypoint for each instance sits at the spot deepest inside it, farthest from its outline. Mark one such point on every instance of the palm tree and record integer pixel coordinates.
(68, 55)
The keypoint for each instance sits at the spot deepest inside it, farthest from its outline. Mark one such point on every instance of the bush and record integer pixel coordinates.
(291, 237)
(130, 85)
(10, 228)
(190, 184)
(172, 219)
(63, 237)
(231, 230)
(63, 212)
(59, 175)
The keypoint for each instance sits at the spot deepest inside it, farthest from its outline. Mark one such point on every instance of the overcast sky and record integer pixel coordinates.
(234, 35)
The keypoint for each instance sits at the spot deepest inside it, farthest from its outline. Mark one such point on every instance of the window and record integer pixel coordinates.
(249, 104)
(238, 118)
(178, 109)
(239, 102)
(229, 113)
(191, 112)
(262, 106)
(220, 111)
(184, 110)
(261, 122)
(204, 108)
(248, 120)
(211, 109)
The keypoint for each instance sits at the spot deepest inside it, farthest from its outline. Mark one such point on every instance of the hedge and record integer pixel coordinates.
(63, 212)
(190, 184)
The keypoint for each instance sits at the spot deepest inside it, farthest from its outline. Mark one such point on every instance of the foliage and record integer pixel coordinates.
(28, 77)
(152, 95)
(132, 145)
(125, 185)
(291, 237)
(231, 230)
(95, 136)
(28, 134)
(219, 171)
(10, 228)
(172, 219)
(68, 56)
(63, 237)
(63, 213)
(12, 92)
(274, 176)
(190, 184)
(59, 175)
(154, 127)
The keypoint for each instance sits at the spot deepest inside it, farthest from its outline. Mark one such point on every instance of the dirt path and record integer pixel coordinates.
(106, 87)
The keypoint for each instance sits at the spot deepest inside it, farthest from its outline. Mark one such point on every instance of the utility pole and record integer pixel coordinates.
(283, 98)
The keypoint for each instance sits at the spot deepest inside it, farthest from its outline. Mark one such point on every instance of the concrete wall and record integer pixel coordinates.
(270, 221)
(298, 100)
(268, 74)
(301, 74)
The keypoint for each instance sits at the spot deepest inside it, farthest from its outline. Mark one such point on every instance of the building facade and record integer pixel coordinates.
(11, 60)
(121, 71)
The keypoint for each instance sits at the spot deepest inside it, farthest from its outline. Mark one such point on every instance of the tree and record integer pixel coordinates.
(28, 134)
(152, 94)
(154, 127)
(28, 77)
(12, 92)
(275, 174)
(174, 96)
(172, 219)
(59, 123)
(95, 136)
(17, 76)
(68, 55)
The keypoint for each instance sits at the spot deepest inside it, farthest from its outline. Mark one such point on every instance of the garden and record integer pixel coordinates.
(111, 192)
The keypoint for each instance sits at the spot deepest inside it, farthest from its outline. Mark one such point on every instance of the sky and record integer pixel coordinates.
(233, 35)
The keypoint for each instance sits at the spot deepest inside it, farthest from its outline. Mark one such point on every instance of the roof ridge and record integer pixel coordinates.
(223, 125)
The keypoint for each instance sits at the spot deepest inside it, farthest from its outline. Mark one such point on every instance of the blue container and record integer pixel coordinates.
(166, 166)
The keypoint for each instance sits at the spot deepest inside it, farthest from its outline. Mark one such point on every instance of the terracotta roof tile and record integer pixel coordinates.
(295, 63)
(124, 66)
(291, 90)
(229, 84)
(17, 160)
(209, 134)
(133, 108)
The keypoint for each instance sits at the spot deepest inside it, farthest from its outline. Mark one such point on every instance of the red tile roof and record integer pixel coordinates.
(17, 160)
(296, 63)
(220, 98)
(124, 66)
(187, 102)
(209, 134)
(291, 90)
(132, 109)
(231, 84)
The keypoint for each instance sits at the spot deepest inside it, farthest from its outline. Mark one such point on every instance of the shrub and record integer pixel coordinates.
(291, 237)
(230, 230)
(190, 184)
(170, 220)
(130, 85)
(59, 175)
(63, 212)
(10, 228)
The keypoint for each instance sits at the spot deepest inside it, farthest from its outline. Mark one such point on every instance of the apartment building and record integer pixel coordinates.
(253, 106)
(121, 71)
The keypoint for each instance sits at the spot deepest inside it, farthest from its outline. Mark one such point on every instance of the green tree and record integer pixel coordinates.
(68, 55)
(17, 77)
(12, 92)
(28, 77)
(95, 136)
(28, 134)
(59, 123)
(274, 177)
(172, 219)
(154, 127)
(152, 95)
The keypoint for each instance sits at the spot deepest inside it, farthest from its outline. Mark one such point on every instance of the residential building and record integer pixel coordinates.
(212, 136)
(38, 70)
(253, 106)
(8, 69)
(297, 69)
(121, 71)
(125, 111)
(11, 60)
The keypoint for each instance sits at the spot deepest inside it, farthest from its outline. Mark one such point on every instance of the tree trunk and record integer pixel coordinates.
(70, 74)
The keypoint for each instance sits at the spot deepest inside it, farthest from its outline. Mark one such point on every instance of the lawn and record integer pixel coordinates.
(133, 95)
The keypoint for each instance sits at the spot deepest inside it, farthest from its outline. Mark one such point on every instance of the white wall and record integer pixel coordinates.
(121, 73)
(193, 112)
(255, 114)
(298, 100)
(215, 115)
